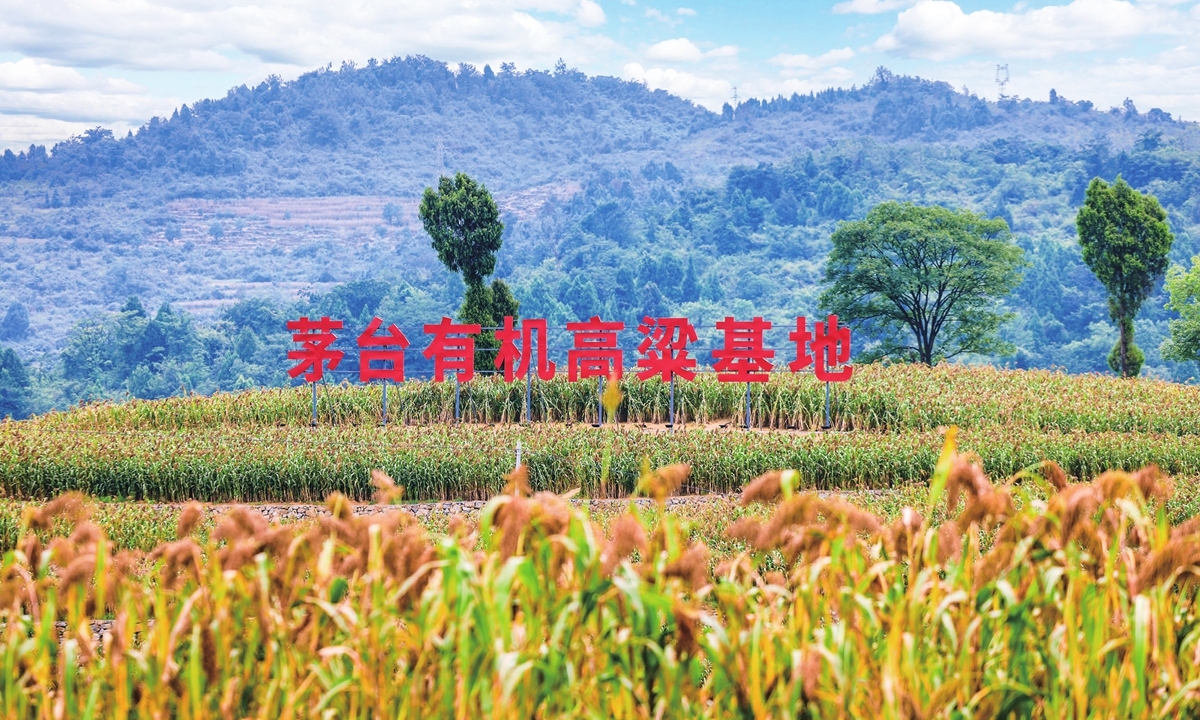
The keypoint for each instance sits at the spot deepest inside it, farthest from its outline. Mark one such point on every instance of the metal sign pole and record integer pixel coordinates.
(518, 454)
(599, 401)
(747, 406)
(529, 397)
(314, 403)
(385, 402)
(457, 387)
(672, 425)
(828, 424)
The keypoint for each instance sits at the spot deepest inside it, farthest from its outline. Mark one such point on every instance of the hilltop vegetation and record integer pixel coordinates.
(617, 200)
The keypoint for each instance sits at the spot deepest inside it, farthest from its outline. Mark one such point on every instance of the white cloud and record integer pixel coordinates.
(707, 91)
(684, 50)
(218, 43)
(45, 103)
(870, 7)
(33, 88)
(810, 63)
(232, 35)
(677, 50)
(1167, 80)
(686, 11)
(940, 30)
(660, 16)
(590, 14)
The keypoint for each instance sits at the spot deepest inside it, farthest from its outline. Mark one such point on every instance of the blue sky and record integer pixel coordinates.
(68, 65)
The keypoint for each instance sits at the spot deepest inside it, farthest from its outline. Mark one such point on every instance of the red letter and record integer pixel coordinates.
(509, 353)
(743, 359)
(317, 336)
(454, 354)
(801, 337)
(595, 353)
(394, 339)
(665, 348)
(832, 347)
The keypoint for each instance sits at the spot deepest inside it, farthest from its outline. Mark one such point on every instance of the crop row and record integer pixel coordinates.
(1079, 605)
(143, 526)
(468, 461)
(877, 398)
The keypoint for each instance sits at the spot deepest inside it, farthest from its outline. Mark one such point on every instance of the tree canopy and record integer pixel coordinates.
(923, 282)
(464, 223)
(14, 386)
(1125, 240)
(1184, 289)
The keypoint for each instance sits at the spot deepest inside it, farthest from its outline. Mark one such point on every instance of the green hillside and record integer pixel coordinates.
(618, 201)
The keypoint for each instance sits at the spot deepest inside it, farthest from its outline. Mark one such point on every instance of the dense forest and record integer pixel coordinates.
(169, 259)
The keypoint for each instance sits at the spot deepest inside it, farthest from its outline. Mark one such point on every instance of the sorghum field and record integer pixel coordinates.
(1032, 597)
(258, 445)
(966, 543)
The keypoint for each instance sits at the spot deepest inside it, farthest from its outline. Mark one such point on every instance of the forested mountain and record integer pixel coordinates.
(618, 200)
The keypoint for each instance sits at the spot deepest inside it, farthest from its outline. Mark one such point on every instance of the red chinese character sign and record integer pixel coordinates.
(830, 348)
(384, 348)
(315, 336)
(664, 349)
(452, 349)
(594, 352)
(743, 358)
(509, 355)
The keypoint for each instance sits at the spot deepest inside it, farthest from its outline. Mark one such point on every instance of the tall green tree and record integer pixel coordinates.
(464, 223)
(462, 219)
(14, 386)
(1183, 288)
(1125, 240)
(925, 282)
(487, 307)
(15, 325)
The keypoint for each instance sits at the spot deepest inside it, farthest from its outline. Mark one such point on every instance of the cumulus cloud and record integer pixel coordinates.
(940, 30)
(45, 103)
(810, 63)
(38, 89)
(218, 43)
(229, 35)
(686, 11)
(677, 50)
(590, 14)
(710, 92)
(684, 50)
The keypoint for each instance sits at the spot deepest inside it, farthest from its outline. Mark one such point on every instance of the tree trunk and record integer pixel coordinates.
(1124, 345)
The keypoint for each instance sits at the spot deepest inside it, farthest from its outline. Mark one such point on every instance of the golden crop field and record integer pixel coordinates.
(1030, 597)
(258, 446)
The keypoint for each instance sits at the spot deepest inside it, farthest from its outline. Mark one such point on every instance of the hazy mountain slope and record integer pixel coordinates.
(280, 189)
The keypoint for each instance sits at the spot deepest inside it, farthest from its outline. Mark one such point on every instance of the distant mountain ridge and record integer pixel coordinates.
(398, 117)
(618, 200)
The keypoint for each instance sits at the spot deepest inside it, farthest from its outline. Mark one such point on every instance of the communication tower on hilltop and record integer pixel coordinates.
(1002, 79)
(442, 147)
